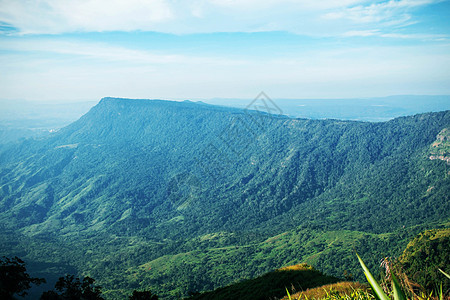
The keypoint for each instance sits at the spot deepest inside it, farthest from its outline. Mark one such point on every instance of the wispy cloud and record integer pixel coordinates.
(410, 36)
(363, 33)
(41, 68)
(393, 12)
(200, 16)
(430, 37)
(301, 48)
(109, 53)
(59, 16)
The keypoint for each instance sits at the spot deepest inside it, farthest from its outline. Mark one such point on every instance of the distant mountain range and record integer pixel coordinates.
(22, 119)
(358, 109)
(163, 178)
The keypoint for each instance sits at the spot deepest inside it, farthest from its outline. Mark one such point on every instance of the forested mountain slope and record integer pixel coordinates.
(174, 171)
(149, 166)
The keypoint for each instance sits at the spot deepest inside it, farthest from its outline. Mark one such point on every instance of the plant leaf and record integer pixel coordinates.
(448, 276)
(398, 293)
(379, 293)
(289, 295)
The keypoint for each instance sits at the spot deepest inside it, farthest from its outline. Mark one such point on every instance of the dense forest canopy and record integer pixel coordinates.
(217, 193)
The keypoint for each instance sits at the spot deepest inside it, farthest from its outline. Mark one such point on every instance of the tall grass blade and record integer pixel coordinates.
(289, 295)
(448, 276)
(398, 293)
(379, 293)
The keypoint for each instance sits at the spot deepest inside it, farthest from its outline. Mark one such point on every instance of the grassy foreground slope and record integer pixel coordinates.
(271, 285)
(422, 258)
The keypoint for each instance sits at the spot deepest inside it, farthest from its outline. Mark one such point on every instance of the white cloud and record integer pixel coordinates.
(39, 68)
(433, 37)
(363, 33)
(87, 50)
(299, 4)
(102, 52)
(410, 36)
(200, 16)
(389, 12)
(59, 16)
(59, 67)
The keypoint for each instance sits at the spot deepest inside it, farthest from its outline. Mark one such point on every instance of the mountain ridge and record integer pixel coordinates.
(112, 130)
(166, 176)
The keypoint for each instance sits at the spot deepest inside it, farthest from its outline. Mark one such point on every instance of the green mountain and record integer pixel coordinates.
(181, 186)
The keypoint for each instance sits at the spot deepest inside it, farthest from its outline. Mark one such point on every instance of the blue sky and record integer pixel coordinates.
(65, 50)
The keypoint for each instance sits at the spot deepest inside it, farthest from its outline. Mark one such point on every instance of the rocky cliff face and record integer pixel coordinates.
(440, 149)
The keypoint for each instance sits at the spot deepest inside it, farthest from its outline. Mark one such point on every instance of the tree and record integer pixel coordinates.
(143, 295)
(71, 288)
(14, 278)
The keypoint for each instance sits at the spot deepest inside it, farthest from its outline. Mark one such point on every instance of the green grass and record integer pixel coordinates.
(337, 291)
